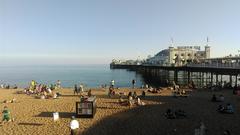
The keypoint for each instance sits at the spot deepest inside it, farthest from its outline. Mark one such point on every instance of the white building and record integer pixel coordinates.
(180, 55)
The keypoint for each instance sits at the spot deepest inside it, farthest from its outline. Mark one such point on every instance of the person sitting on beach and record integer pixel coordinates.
(180, 113)
(121, 101)
(130, 94)
(55, 96)
(221, 98)
(8, 86)
(135, 95)
(220, 108)
(182, 92)
(74, 125)
(143, 93)
(90, 93)
(130, 101)
(52, 86)
(152, 90)
(139, 102)
(214, 98)
(49, 90)
(15, 86)
(169, 114)
(228, 109)
(111, 92)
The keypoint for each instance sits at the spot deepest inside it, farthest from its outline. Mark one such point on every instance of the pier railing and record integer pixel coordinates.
(216, 65)
(200, 65)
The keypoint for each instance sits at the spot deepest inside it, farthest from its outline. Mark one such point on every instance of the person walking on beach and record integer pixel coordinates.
(58, 84)
(74, 125)
(81, 88)
(75, 89)
(133, 83)
(112, 83)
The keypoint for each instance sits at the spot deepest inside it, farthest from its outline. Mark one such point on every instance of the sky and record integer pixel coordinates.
(97, 31)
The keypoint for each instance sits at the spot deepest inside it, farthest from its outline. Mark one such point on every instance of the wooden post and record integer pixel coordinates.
(216, 79)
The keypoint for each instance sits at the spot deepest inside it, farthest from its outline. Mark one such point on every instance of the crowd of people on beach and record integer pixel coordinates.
(8, 86)
(42, 91)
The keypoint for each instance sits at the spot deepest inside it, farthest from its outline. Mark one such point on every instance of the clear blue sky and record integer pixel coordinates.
(96, 31)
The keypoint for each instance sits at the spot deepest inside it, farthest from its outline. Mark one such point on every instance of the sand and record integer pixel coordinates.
(34, 116)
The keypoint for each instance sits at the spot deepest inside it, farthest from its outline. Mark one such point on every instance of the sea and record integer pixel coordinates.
(89, 75)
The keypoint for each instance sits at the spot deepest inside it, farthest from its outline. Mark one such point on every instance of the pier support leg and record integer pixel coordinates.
(216, 79)
(211, 79)
(230, 79)
(176, 76)
(221, 80)
(236, 80)
(188, 77)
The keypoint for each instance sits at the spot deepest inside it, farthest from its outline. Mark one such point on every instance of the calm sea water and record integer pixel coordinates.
(89, 75)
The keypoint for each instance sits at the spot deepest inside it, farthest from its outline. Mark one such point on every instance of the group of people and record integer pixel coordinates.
(78, 90)
(42, 90)
(228, 108)
(170, 114)
(178, 91)
(132, 99)
(154, 90)
(220, 98)
(7, 86)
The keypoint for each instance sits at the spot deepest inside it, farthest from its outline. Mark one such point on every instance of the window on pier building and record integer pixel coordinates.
(182, 54)
(189, 54)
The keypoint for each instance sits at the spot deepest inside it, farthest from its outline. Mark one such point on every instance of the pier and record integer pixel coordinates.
(203, 74)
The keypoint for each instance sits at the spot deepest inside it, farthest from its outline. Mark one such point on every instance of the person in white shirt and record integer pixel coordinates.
(74, 125)
(81, 88)
(112, 83)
